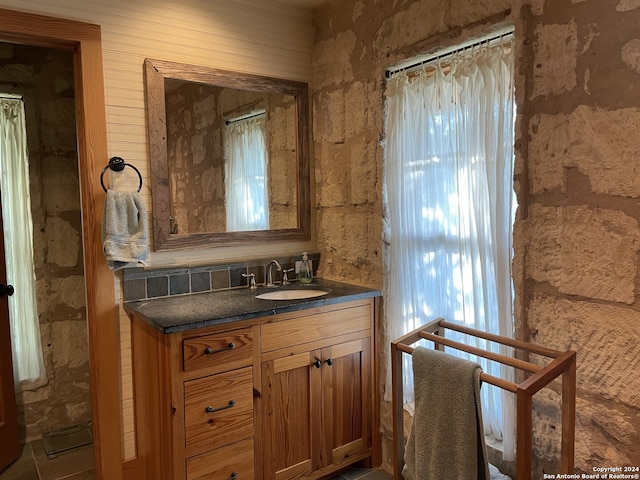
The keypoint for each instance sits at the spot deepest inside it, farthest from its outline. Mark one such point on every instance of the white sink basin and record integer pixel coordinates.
(292, 294)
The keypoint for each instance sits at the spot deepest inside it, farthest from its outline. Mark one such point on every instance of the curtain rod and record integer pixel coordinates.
(11, 96)
(255, 113)
(489, 40)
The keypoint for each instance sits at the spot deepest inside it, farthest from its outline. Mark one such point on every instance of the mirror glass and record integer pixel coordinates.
(229, 160)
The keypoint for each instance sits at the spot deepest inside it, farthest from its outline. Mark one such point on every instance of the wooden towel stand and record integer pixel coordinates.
(562, 363)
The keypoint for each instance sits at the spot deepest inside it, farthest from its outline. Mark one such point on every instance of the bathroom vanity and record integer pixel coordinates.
(230, 386)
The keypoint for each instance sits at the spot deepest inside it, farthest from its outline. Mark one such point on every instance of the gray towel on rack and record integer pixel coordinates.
(446, 440)
(124, 229)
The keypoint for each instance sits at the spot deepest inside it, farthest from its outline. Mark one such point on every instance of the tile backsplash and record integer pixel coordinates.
(145, 283)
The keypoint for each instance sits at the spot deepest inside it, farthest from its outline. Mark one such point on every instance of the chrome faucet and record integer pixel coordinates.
(269, 282)
(285, 276)
(252, 280)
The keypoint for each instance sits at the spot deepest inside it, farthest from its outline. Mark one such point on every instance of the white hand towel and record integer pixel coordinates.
(124, 229)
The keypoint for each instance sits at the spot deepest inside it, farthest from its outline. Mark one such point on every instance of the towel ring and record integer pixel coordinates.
(117, 164)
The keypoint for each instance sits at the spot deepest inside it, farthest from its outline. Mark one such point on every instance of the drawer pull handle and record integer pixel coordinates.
(233, 476)
(210, 409)
(209, 350)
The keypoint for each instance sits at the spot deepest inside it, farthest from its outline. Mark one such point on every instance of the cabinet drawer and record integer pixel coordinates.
(310, 328)
(221, 464)
(222, 351)
(218, 409)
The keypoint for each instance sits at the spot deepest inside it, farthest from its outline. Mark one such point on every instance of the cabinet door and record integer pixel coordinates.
(292, 401)
(347, 400)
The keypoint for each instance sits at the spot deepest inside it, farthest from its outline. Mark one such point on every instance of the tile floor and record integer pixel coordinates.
(77, 464)
(33, 464)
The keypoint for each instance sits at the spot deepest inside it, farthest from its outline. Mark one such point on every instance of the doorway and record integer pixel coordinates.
(84, 40)
(54, 417)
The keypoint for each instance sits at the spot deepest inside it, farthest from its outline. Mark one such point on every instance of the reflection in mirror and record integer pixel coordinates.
(232, 158)
(245, 173)
(228, 157)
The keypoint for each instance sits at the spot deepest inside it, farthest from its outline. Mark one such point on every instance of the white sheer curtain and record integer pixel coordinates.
(450, 208)
(28, 363)
(246, 175)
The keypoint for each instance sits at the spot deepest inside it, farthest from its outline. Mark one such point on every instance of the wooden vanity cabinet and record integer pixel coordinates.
(279, 397)
(194, 403)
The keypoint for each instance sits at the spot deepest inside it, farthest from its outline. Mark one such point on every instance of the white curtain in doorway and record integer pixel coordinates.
(450, 199)
(28, 362)
(247, 201)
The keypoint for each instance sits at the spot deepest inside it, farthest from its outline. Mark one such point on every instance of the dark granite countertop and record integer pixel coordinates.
(198, 310)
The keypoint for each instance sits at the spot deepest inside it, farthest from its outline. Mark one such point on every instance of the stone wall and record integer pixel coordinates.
(195, 159)
(576, 235)
(45, 79)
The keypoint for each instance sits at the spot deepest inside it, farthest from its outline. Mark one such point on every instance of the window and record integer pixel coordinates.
(247, 201)
(450, 205)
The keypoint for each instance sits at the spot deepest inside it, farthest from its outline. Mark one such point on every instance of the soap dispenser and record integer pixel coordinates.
(305, 273)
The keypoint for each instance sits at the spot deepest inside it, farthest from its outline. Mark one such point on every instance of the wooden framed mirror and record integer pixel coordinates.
(199, 120)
